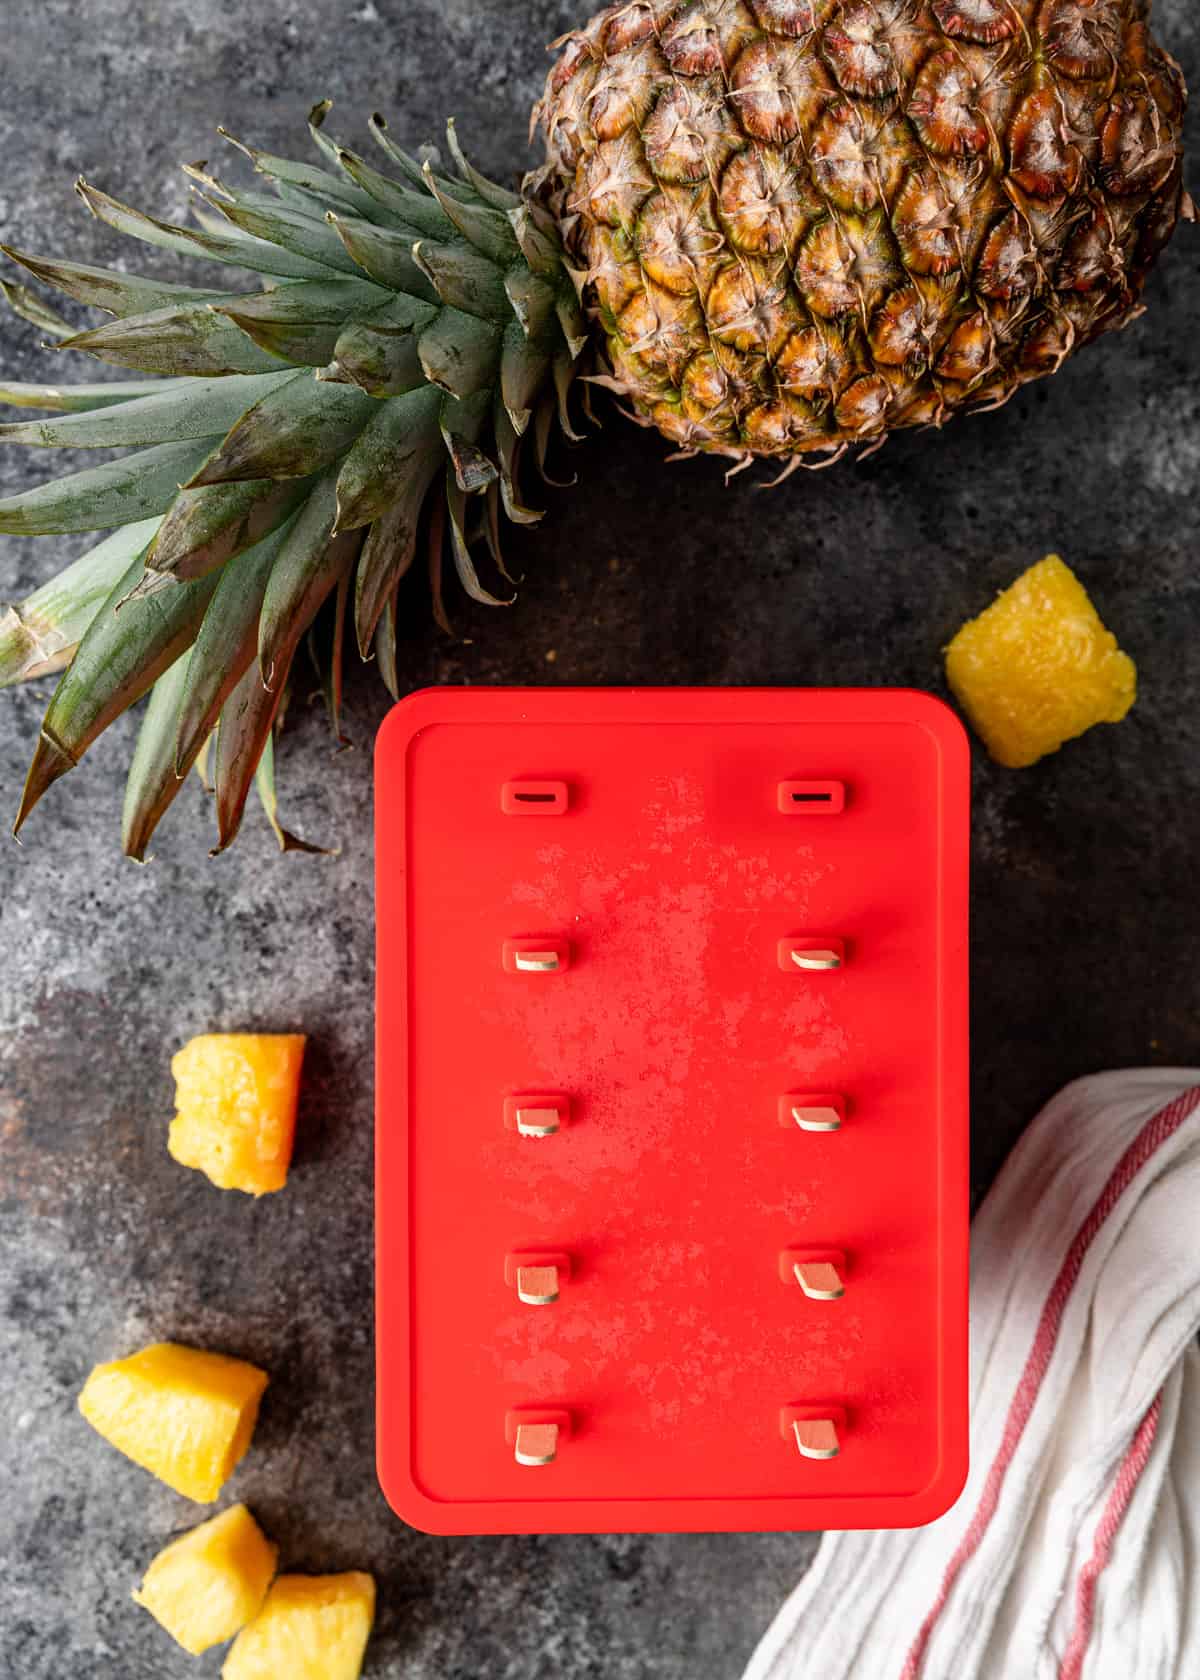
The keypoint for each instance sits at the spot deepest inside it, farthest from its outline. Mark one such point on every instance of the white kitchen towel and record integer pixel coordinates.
(1074, 1553)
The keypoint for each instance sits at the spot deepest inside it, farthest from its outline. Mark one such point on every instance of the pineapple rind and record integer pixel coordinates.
(805, 224)
(1038, 668)
(204, 1587)
(236, 1095)
(312, 1627)
(184, 1414)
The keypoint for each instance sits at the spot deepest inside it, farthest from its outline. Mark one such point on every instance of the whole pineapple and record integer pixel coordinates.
(799, 224)
(806, 223)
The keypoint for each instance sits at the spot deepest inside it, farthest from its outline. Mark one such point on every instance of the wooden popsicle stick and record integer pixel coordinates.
(536, 1443)
(816, 1119)
(819, 1280)
(537, 962)
(538, 1122)
(537, 1286)
(811, 958)
(817, 1438)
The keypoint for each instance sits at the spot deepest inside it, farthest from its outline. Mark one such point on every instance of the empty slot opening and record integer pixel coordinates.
(534, 797)
(818, 796)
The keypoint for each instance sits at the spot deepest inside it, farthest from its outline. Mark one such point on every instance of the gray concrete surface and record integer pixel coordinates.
(1086, 912)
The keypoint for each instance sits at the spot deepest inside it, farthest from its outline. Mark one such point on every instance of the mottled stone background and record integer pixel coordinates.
(1085, 902)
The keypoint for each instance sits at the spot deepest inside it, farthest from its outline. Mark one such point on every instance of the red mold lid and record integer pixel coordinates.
(672, 1109)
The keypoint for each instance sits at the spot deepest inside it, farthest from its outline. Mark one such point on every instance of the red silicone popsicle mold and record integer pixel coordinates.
(672, 1109)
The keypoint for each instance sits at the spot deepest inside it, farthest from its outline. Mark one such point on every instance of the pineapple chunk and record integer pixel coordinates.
(236, 1094)
(184, 1415)
(1038, 668)
(312, 1627)
(205, 1587)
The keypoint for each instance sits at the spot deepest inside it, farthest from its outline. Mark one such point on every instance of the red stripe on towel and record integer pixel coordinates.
(1149, 1140)
(1134, 1463)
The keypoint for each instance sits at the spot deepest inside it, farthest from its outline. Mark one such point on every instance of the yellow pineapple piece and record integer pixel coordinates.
(312, 1627)
(204, 1587)
(1038, 668)
(184, 1415)
(236, 1094)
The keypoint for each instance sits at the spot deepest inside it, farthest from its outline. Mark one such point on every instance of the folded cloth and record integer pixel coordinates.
(1074, 1552)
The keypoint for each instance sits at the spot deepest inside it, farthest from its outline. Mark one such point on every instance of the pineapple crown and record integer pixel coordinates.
(294, 447)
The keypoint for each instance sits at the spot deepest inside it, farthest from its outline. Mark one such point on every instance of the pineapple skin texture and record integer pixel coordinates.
(204, 1587)
(312, 1627)
(803, 224)
(236, 1095)
(1038, 667)
(185, 1415)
